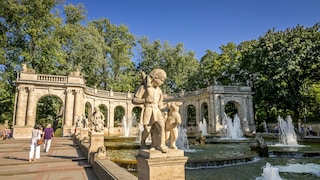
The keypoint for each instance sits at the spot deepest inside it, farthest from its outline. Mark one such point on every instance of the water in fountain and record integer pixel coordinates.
(286, 132)
(203, 127)
(126, 125)
(232, 128)
(270, 173)
(182, 140)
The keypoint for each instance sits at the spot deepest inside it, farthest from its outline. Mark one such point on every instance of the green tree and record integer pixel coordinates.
(117, 65)
(285, 62)
(26, 36)
(178, 64)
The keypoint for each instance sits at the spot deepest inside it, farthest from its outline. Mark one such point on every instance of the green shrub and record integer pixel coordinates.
(58, 132)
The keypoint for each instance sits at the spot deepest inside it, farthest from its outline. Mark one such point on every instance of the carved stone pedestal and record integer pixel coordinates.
(83, 133)
(96, 141)
(153, 164)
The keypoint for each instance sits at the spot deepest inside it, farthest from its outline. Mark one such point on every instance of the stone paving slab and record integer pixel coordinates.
(63, 161)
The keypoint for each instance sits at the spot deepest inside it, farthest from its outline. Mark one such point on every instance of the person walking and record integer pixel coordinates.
(34, 153)
(48, 136)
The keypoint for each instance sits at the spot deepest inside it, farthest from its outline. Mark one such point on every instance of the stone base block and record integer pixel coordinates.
(68, 131)
(153, 164)
(83, 133)
(96, 141)
(22, 132)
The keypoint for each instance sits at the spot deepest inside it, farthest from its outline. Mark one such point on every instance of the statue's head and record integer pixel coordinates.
(157, 77)
(158, 74)
(96, 109)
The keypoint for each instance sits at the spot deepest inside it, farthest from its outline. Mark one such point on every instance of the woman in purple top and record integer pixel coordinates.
(48, 136)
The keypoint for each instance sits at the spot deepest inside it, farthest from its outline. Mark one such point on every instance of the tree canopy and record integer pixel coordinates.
(281, 66)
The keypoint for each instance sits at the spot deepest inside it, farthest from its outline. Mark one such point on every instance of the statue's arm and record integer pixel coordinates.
(161, 105)
(138, 96)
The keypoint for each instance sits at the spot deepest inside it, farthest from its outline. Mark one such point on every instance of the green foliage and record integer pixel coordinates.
(283, 64)
(178, 64)
(48, 111)
(119, 114)
(58, 132)
(191, 115)
(117, 65)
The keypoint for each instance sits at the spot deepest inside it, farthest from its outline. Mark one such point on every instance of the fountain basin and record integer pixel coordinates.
(121, 143)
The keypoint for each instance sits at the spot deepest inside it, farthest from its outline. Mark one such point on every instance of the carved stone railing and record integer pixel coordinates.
(45, 78)
(52, 78)
(210, 89)
(78, 80)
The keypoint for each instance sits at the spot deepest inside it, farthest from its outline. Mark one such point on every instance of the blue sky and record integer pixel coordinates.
(204, 24)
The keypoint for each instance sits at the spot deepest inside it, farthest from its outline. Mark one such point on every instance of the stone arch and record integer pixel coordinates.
(104, 109)
(232, 107)
(88, 110)
(59, 113)
(191, 119)
(137, 110)
(235, 109)
(120, 112)
(204, 111)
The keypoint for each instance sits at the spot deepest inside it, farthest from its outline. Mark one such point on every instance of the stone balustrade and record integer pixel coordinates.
(52, 78)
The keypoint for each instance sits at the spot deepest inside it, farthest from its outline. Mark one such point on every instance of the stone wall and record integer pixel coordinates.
(106, 169)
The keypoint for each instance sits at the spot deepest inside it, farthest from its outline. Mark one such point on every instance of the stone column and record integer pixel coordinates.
(153, 164)
(21, 107)
(245, 114)
(251, 115)
(68, 109)
(222, 106)
(211, 113)
(30, 112)
(198, 113)
(111, 112)
(77, 106)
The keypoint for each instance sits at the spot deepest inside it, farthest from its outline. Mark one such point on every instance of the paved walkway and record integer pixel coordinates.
(64, 161)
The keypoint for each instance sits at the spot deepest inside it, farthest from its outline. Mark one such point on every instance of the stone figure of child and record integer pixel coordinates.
(150, 96)
(172, 122)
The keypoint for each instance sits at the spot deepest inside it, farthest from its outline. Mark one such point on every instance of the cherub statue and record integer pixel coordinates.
(172, 122)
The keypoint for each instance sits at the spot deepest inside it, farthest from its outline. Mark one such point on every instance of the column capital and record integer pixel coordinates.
(30, 88)
(78, 91)
(21, 88)
(68, 91)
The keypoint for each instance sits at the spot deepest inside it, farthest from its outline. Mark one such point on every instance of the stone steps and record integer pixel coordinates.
(63, 161)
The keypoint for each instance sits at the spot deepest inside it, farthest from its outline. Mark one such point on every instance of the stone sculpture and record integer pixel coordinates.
(84, 121)
(97, 120)
(259, 145)
(150, 96)
(79, 122)
(172, 122)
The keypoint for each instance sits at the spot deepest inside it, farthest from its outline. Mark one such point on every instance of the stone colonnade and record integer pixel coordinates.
(75, 95)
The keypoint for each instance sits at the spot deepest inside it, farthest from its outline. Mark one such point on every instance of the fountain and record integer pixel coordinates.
(126, 124)
(286, 133)
(203, 127)
(270, 173)
(182, 141)
(234, 157)
(232, 129)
